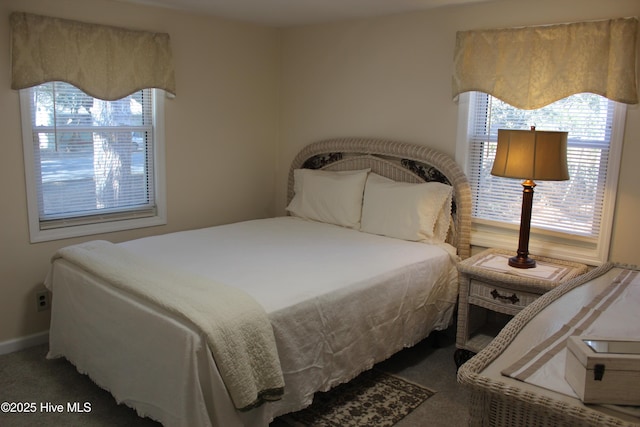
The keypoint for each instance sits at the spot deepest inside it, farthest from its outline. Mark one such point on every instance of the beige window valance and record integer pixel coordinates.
(105, 62)
(531, 67)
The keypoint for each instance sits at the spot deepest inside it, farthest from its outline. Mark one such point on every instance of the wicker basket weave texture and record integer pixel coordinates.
(496, 403)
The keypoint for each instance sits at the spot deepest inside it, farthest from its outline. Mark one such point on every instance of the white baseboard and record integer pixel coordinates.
(24, 342)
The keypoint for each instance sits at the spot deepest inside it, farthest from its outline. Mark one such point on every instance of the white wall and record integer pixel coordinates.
(391, 77)
(221, 133)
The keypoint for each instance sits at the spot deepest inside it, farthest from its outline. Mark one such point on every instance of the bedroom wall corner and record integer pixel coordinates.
(220, 133)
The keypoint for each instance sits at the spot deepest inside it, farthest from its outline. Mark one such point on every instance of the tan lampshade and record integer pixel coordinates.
(531, 154)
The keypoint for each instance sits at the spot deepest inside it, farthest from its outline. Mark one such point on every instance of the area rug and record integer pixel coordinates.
(374, 398)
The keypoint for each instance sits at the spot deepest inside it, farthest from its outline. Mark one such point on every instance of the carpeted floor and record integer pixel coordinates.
(26, 376)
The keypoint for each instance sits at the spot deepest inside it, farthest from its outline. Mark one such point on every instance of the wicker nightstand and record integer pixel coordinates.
(491, 292)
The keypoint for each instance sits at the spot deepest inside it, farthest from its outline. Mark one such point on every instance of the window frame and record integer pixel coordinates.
(495, 234)
(126, 220)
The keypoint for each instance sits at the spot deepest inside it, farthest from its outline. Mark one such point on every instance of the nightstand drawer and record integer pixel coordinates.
(499, 299)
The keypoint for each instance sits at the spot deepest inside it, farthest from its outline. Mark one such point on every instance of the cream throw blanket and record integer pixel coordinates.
(237, 328)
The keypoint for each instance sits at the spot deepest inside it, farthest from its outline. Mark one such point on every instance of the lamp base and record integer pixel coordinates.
(522, 262)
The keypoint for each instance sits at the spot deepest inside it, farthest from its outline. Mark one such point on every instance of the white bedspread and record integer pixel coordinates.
(237, 328)
(339, 301)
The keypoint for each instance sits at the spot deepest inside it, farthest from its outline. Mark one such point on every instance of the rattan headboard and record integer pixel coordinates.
(399, 161)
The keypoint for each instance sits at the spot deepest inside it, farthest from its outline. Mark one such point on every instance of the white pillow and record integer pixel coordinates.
(415, 212)
(327, 196)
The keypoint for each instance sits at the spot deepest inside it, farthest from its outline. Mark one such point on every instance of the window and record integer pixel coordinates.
(92, 166)
(571, 219)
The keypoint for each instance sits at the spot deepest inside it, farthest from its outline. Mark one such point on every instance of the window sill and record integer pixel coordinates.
(60, 233)
(541, 242)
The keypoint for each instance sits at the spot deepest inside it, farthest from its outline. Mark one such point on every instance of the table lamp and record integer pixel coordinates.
(530, 155)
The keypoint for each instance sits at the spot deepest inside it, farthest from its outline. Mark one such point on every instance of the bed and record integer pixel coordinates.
(519, 379)
(240, 323)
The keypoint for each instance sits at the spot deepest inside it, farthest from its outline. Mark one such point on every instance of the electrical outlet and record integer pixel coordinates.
(42, 300)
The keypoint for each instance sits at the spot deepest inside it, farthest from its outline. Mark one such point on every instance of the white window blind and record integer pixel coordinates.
(574, 208)
(90, 161)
